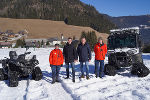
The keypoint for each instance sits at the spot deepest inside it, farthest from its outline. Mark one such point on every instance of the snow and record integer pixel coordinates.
(123, 86)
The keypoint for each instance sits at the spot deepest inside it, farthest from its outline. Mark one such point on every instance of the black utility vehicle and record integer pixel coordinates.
(125, 50)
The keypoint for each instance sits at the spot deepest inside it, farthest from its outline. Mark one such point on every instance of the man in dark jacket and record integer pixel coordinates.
(70, 55)
(84, 53)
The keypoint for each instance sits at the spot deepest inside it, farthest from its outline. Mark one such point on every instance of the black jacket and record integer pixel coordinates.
(70, 53)
(84, 52)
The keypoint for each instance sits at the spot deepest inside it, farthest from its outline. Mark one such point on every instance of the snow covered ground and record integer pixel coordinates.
(123, 86)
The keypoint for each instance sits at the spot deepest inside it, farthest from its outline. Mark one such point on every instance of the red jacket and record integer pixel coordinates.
(56, 57)
(100, 51)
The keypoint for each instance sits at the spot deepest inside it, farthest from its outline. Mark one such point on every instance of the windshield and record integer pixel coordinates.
(121, 41)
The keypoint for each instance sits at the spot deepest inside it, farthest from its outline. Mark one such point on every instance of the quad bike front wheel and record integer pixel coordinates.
(37, 74)
(110, 70)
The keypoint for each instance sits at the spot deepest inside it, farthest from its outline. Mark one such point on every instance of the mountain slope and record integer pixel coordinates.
(73, 12)
(38, 28)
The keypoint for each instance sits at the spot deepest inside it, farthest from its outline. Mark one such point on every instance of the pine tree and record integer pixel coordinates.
(42, 43)
(47, 43)
(83, 35)
(20, 43)
(39, 44)
(91, 38)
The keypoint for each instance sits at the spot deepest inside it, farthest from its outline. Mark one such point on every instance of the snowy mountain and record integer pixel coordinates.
(123, 86)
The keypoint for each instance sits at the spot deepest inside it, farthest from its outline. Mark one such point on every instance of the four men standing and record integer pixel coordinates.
(71, 56)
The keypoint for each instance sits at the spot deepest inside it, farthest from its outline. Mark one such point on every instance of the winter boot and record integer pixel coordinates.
(73, 80)
(57, 79)
(82, 76)
(53, 82)
(96, 76)
(87, 77)
(67, 71)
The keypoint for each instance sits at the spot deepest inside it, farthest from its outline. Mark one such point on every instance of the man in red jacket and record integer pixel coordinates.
(56, 61)
(100, 50)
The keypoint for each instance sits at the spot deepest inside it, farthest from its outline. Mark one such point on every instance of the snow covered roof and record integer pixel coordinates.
(135, 29)
(122, 29)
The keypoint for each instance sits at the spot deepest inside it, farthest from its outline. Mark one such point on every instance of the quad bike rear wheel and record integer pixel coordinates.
(140, 70)
(3, 76)
(13, 79)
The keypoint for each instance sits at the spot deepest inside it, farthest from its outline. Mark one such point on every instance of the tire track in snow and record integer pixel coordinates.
(27, 86)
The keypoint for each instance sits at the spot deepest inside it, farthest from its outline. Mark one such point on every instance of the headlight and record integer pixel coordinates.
(132, 51)
(110, 51)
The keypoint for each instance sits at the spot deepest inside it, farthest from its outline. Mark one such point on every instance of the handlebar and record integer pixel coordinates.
(27, 53)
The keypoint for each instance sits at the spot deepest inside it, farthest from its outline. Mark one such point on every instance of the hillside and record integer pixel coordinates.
(72, 12)
(44, 28)
(131, 21)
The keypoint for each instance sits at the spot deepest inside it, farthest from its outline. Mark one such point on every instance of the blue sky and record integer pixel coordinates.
(121, 7)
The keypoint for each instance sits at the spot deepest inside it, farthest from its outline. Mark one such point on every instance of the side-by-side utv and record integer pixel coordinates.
(17, 67)
(125, 50)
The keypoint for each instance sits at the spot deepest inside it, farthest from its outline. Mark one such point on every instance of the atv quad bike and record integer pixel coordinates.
(124, 50)
(17, 67)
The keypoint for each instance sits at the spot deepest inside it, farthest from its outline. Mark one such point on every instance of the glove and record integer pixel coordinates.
(61, 65)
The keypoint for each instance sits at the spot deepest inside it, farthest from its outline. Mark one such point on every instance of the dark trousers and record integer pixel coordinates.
(55, 72)
(99, 68)
(73, 69)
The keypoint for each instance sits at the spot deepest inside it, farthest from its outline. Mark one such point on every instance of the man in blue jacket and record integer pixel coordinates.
(84, 53)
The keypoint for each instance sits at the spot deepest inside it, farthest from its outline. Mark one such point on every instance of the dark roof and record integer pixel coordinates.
(53, 39)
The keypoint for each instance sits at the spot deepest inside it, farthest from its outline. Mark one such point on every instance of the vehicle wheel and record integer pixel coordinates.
(13, 80)
(37, 74)
(140, 70)
(110, 70)
(1, 74)
(117, 67)
(134, 69)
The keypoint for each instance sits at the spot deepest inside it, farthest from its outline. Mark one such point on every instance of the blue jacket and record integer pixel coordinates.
(84, 52)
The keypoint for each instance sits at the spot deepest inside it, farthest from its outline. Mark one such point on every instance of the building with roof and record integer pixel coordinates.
(5, 45)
